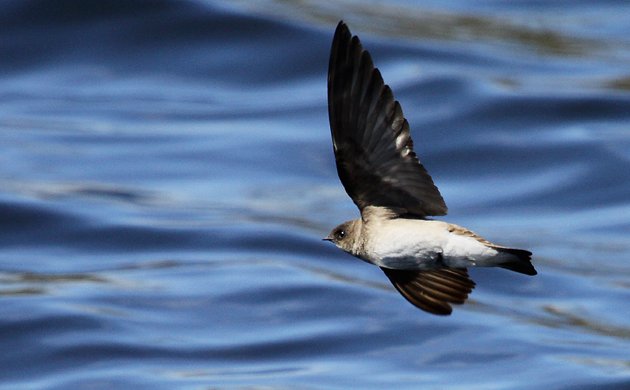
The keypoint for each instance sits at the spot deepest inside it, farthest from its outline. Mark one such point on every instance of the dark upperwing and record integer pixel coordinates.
(373, 148)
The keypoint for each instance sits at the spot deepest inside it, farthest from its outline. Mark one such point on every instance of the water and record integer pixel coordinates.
(166, 176)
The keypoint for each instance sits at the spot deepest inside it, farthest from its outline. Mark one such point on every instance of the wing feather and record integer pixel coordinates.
(371, 139)
(433, 290)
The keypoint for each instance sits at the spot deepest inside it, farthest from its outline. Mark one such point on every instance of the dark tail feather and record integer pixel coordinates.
(522, 262)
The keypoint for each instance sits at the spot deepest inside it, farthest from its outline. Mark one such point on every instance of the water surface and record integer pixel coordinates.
(167, 173)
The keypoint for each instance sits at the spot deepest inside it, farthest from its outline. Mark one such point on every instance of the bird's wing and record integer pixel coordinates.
(373, 148)
(434, 290)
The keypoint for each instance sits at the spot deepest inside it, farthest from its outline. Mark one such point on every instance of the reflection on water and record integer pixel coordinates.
(166, 177)
(563, 319)
(525, 28)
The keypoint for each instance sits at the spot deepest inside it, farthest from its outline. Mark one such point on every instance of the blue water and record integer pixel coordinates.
(166, 176)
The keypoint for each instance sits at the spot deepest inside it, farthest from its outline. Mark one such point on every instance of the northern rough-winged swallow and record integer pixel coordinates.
(426, 260)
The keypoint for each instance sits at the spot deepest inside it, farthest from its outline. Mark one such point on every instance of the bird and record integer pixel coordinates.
(425, 259)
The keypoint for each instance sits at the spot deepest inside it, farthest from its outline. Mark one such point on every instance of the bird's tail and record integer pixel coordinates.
(518, 260)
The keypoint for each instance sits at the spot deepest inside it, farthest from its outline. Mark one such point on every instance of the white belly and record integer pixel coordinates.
(419, 244)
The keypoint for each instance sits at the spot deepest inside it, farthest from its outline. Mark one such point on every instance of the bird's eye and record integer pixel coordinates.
(340, 234)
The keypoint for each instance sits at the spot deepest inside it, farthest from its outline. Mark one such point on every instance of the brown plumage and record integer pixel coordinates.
(434, 290)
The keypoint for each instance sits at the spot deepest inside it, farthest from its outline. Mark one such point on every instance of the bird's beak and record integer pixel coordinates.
(327, 239)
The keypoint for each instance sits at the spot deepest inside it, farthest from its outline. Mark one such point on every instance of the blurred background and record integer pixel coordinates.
(166, 176)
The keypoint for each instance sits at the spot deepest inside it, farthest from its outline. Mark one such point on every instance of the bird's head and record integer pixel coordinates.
(344, 236)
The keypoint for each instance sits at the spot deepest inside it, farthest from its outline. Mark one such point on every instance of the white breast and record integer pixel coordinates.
(405, 243)
(420, 244)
